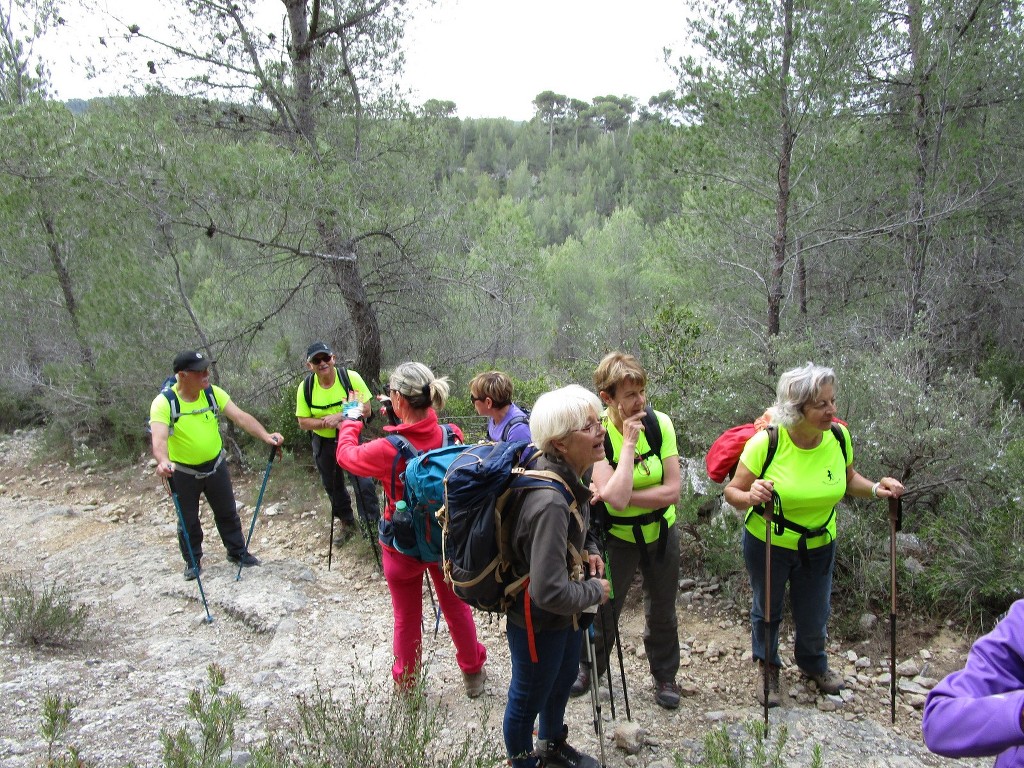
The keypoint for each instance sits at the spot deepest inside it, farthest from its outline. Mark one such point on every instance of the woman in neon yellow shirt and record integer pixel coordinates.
(808, 475)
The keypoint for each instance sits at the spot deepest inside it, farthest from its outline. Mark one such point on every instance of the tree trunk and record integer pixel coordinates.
(917, 236)
(363, 318)
(786, 140)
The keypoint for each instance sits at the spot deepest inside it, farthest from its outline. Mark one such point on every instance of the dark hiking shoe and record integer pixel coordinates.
(560, 753)
(828, 681)
(191, 573)
(774, 697)
(245, 559)
(344, 531)
(666, 694)
(582, 684)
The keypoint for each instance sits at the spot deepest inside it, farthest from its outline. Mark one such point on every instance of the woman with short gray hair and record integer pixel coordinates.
(551, 543)
(796, 490)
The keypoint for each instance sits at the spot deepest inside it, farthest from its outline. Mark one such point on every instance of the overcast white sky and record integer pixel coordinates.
(491, 57)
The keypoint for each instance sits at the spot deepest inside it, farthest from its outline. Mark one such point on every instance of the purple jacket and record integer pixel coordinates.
(519, 431)
(977, 711)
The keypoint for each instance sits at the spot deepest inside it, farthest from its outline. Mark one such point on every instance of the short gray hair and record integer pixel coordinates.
(798, 387)
(559, 413)
(419, 386)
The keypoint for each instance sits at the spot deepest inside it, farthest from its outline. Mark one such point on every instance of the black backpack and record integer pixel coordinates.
(172, 400)
(515, 421)
(307, 388)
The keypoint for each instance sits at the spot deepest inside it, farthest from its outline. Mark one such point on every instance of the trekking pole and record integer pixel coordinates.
(895, 524)
(334, 489)
(615, 630)
(433, 604)
(259, 500)
(595, 698)
(601, 611)
(188, 546)
(766, 670)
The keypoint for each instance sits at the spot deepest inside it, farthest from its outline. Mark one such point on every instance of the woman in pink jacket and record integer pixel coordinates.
(415, 393)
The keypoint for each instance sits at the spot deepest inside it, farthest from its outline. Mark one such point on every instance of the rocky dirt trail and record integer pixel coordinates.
(291, 624)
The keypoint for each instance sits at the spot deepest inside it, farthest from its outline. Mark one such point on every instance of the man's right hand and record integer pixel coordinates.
(164, 468)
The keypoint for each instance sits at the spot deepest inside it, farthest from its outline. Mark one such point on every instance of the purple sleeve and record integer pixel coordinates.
(519, 432)
(976, 711)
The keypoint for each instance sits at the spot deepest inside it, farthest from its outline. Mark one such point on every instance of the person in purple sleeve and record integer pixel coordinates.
(491, 394)
(977, 711)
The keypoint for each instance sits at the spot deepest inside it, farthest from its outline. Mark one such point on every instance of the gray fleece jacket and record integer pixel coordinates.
(543, 530)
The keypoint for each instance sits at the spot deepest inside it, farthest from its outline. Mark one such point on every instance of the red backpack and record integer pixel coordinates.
(724, 454)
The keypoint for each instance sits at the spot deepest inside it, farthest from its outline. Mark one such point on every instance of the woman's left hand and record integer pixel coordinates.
(889, 487)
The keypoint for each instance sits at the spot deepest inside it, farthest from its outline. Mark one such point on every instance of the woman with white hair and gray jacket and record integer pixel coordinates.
(810, 472)
(552, 544)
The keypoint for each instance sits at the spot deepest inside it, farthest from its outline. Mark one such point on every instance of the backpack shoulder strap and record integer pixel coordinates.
(211, 400)
(773, 445)
(837, 432)
(448, 436)
(173, 402)
(404, 451)
(307, 389)
(652, 431)
(514, 422)
(346, 382)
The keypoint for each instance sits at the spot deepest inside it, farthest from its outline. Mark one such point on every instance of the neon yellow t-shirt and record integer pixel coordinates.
(327, 401)
(196, 437)
(809, 482)
(646, 474)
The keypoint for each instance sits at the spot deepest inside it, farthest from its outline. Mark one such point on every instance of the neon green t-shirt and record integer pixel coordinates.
(809, 482)
(646, 474)
(327, 401)
(196, 437)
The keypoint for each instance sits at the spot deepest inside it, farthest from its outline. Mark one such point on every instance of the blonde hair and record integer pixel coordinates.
(615, 368)
(559, 413)
(419, 386)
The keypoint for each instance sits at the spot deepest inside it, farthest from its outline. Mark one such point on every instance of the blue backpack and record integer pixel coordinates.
(483, 492)
(415, 529)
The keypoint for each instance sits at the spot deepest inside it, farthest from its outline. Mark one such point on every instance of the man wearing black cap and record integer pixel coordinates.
(318, 405)
(187, 446)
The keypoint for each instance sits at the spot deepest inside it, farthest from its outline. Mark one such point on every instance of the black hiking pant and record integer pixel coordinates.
(333, 478)
(221, 498)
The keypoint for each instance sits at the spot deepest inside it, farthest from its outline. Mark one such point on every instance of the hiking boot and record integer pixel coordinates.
(666, 694)
(774, 697)
(245, 559)
(560, 753)
(475, 682)
(828, 681)
(582, 684)
(192, 573)
(345, 531)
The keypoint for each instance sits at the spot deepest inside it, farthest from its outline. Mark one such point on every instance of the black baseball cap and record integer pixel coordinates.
(317, 348)
(191, 361)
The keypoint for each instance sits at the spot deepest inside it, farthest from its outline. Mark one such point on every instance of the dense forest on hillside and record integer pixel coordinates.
(830, 181)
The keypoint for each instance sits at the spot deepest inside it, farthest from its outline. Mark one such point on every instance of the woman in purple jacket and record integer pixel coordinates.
(977, 711)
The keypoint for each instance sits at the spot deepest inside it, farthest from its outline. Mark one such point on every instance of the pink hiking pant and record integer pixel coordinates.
(404, 575)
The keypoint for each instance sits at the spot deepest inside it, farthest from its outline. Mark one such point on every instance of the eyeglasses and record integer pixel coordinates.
(591, 427)
(475, 399)
(320, 360)
(389, 391)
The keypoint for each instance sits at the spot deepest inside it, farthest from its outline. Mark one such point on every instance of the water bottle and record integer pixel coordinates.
(401, 525)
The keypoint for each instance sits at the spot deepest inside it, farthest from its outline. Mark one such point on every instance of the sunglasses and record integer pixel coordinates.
(475, 399)
(320, 360)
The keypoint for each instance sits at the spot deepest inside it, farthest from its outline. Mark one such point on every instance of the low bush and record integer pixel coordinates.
(44, 616)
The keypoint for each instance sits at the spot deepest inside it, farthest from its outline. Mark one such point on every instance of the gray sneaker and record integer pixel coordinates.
(191, 573)
(666, 694)
(475, 682)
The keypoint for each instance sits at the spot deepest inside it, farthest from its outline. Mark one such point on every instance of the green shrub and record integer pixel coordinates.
(215, 714)
(378, 729)
(47, 616)
(754, 750)
(56, 721)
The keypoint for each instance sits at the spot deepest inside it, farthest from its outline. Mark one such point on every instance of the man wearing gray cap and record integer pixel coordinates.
(188, 448)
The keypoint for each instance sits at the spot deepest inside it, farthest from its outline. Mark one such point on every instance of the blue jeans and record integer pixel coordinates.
(810, 594)
(538, 689)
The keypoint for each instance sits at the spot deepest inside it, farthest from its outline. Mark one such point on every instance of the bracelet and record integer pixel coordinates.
(874, 490)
